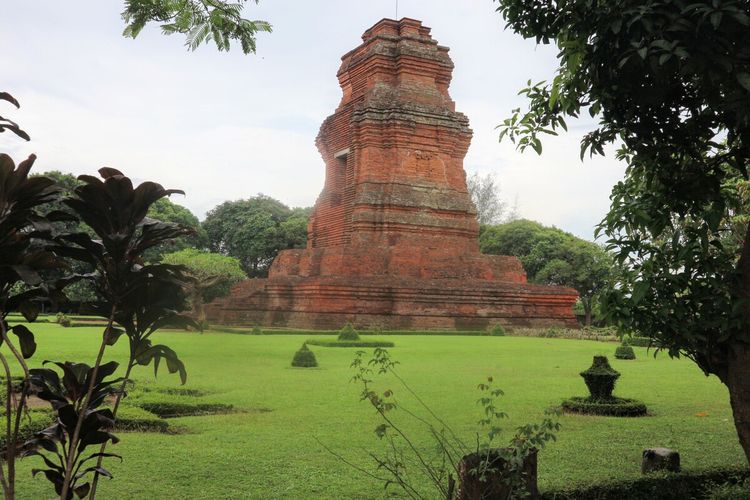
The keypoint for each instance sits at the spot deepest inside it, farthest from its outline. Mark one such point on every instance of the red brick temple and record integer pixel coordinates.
(393, 238)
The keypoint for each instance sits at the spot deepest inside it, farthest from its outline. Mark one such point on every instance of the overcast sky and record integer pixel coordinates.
(226, 126)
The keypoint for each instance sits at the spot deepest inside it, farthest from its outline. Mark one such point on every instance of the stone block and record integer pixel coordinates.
(660, 459)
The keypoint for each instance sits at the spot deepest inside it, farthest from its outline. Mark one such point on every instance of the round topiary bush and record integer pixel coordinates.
(497, 331)
(348, 333)
(613, 407)
(304, 358)
(624, 352)
(600, 378)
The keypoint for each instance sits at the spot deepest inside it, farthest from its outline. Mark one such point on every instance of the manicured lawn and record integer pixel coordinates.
(275, 454)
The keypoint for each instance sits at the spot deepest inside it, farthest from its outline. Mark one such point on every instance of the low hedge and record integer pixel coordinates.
(640, 342)
(36, 420)
(132, 418)
(664, 486)
(350, 343)
(174, 409)
(248, 331)
(616, 407)
(585, 333)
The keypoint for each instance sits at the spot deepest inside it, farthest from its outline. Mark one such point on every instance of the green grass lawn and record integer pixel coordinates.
(257, 453)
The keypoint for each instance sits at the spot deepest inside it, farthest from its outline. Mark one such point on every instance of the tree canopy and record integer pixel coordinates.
(166, 210)
(551, 256)
(255, 230)
(214, 274)
(201, 21)
(669, 82)
(485, 194)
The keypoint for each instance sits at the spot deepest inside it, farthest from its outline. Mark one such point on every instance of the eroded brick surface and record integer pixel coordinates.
(393, 238)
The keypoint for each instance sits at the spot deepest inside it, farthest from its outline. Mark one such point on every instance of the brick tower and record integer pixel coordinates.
(393, 238)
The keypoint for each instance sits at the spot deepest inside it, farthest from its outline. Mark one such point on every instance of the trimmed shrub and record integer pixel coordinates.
(257, 331)
(624, 352)
(350, 343)
(731, 491)
(613, 407)
(304, 358)
(665, 486)
(348, 333)
(600, 378)
(497, 331)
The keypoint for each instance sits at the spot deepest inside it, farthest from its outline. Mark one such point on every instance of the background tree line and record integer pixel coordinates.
(240, 239)
(237, 239)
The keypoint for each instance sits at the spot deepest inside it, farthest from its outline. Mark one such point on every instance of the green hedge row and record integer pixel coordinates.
(618, 407)
(350, 343)
(37, 420)
(639, 342)
(663, 486)
(173, 409)
(249, 331)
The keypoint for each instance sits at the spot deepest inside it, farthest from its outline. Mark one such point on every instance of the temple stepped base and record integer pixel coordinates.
(392, 303)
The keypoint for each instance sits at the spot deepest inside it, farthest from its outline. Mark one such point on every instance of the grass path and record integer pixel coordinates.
(258, 454)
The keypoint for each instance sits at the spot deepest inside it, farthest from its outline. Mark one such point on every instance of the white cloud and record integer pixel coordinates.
(225, 126)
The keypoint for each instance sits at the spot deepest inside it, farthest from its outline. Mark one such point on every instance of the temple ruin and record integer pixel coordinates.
(393, 238)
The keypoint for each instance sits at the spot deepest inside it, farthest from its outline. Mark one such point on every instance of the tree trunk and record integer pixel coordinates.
(737, 374)
(199, 312)
(738, 382)
(587, 310)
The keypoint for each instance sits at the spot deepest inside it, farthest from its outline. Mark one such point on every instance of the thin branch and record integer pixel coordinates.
(118, 398)
(7, 492)
(430, 411)
(347, 462)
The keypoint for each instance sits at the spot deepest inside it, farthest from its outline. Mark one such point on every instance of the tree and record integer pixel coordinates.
(213, 274)
(165, 210)
(669, 80)
(139, 298)
(584, 266)
(201, 21)
(79, 291)
(26, 254)
(551, 256)
(485, 194)
(254, 230)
